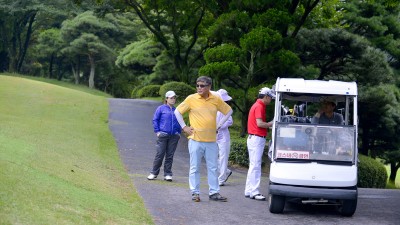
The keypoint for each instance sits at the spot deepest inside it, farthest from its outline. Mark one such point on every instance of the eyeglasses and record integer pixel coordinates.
(201, 85)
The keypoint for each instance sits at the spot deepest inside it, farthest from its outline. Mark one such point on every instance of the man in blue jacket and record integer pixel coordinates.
(168, 133)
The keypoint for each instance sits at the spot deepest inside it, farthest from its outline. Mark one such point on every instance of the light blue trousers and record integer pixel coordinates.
(208, 150)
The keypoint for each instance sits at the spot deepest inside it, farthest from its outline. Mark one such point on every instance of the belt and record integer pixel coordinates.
(257, 135)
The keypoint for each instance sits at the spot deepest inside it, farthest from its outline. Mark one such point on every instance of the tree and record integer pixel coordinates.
(379, 118)
(340, 55)
(378, 21)
(140, 56)
(49, 45)
(19, 21)
(259, 34)
(89, 36)
(178, 26)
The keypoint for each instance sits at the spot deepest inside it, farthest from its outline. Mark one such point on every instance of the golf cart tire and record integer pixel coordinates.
(348, 207)
(276, 203)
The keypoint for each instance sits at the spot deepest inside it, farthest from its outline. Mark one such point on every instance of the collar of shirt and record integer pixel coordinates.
(259, 101)
(209, 96)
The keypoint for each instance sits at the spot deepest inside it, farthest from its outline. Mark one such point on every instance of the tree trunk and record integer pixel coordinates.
(393, 171)
(92, 71)
(59, 72)
(75, 73)
(13, 51)
(51, 66)
(364, 141)
(24, 48)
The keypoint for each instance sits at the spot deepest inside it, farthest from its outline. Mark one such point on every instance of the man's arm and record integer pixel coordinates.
(179, 118)
(182, 123)
(263, 124)
(224, 119)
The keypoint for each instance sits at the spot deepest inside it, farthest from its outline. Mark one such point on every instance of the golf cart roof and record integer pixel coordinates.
(311, 90)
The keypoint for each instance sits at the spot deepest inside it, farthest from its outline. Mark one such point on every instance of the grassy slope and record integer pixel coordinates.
(59, 163)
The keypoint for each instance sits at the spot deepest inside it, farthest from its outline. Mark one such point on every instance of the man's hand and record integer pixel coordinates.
(188, 130)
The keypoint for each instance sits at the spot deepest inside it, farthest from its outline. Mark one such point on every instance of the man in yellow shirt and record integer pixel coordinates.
(202, 133)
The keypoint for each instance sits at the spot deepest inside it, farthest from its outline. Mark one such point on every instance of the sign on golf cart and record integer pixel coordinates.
(314, 144)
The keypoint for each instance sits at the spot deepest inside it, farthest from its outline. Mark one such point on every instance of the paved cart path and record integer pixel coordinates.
(170, 202)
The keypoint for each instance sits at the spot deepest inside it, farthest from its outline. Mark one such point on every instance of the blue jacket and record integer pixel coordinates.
(164, 120)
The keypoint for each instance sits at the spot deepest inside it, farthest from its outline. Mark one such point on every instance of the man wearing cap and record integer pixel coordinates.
(257, 129)
(224, 141)
(202, 133)
(168, 133)
(326, 114)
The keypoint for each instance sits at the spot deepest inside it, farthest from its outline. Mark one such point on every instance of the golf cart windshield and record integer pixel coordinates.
(301, 136)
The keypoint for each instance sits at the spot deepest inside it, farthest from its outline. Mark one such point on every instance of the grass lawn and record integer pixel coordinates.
(59, 163)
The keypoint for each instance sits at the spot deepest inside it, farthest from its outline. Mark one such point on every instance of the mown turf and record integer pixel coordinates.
(59, 163)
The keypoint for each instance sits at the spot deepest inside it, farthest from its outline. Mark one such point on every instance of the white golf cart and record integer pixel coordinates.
(313, 163)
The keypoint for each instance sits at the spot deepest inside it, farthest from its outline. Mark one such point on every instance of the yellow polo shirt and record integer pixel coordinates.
(203, 115)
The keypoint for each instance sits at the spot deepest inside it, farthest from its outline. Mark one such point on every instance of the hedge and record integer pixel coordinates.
(149, 91)
(371, 173)
(181, 89)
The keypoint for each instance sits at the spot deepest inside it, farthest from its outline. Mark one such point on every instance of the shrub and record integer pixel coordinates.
(149, 91)
(134, 93)
(239, 154)
(181, 89)
(371, 173)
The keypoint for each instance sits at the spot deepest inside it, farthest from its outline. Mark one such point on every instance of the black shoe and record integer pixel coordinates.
(217, 197)
(195, 197)
(230, 173)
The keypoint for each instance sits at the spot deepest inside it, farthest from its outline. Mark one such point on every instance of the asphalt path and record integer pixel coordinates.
(170, 203)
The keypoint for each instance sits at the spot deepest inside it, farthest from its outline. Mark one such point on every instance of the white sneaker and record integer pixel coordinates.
(168, 178)
(258, 197)
(151, 177)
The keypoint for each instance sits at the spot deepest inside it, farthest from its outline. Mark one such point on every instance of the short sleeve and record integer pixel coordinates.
(183, 107)
(223, 107)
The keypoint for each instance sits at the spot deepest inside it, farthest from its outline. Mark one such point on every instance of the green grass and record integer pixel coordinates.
(59, 163)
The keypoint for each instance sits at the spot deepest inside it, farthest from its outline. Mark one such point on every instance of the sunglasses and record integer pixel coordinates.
(174, 97)
(201, 85)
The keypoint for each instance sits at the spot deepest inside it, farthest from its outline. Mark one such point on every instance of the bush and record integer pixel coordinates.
(239, 154)
(371, 173)
(134, 93)
(181, 89)
(149, 91)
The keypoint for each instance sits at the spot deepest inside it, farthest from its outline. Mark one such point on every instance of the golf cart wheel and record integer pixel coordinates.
(276, 203)
(348, 207)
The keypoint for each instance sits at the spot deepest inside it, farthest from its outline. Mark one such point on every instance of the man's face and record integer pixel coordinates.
(267, 100)
(202, 88)
(328, 107)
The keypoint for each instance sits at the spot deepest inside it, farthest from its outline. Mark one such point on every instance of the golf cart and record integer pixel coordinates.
(313, 163)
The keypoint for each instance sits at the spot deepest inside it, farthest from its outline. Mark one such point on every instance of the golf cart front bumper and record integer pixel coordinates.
(313, 192)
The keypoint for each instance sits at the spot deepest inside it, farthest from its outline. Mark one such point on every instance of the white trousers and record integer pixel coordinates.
(255, 147)
(224, 150)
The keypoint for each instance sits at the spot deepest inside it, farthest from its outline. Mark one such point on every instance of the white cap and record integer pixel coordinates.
(170, 94)
(224, 95)
(268, 92)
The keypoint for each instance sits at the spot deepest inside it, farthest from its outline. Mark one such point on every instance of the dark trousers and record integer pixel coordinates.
(166, 146)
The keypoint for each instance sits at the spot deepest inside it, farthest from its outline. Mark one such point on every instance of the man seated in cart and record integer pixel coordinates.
(326, 114)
